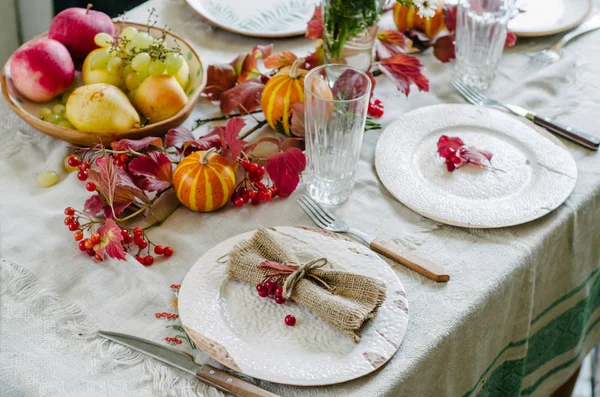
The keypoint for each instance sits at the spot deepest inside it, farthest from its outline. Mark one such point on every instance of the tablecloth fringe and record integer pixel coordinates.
(19, 282)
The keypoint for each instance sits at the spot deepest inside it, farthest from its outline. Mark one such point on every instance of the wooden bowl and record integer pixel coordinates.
(29, 110)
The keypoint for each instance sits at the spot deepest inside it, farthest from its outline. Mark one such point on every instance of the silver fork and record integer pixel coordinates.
(326, 220)
(476, 98)
(553, 53)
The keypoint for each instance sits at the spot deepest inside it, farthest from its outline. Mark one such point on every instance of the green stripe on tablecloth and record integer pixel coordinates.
(507, 379)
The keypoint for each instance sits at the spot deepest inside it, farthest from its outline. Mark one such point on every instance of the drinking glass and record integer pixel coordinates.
(336, 103)
(480, 35)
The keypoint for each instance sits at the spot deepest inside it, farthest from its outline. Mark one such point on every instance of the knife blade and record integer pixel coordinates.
(185, 362)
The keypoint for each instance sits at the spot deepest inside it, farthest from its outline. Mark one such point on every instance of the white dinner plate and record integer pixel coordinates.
(233, 325)
(535, 172)
(547, 17)
(257, 18)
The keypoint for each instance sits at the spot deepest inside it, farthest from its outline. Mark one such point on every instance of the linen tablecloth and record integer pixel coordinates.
(516, 319)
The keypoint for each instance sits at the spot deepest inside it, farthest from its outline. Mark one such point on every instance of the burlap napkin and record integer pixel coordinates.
(355, 298)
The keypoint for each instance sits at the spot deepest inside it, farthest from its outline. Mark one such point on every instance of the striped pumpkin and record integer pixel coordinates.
(204, 181)
(406, 18)
(280, 93)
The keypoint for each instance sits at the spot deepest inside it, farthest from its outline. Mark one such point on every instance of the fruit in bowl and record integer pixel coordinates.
(160, 97)
(77, 27)
(42, 69)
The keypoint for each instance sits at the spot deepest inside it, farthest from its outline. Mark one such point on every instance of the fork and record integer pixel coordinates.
(471, 95)
(326, 220)
(553, 53)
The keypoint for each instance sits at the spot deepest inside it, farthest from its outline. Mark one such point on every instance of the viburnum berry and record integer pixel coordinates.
(140, 259)
(264, 79)
(238, 201)
(375, 108)
(245, 164)
(253, 167)
(138, 240)
(290, 320)
(256, 200)
(271, 286)
(91, 252)
(124, 232)
(127, 239)
(262, 290)
(264, 195)
(280, 300)
(95, 237)
(73, 161)
(123, 158)
(167, 251)
(143, 245)
(90, 186)
(82, 175)
(158, 250)
(89, 244)
(98, 258)
(69, 219)
(148, 260)
(137, 231)
(84, 165)
(69, 211)
(279, 291)
(73, 226)
(78, 235)
(82, 246)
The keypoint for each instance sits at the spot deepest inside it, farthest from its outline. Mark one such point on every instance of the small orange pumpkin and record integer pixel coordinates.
(406, 18)
(280, 93)
(204, 181)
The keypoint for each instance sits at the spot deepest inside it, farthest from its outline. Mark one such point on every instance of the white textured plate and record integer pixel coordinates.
(246, 333)
(536, 172)
(257, 18)
(547, 17)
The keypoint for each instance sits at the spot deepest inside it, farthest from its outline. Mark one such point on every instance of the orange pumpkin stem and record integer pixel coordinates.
(204, 158)
(295, 69)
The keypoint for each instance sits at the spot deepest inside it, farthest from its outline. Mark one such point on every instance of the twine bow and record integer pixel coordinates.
(293, 274)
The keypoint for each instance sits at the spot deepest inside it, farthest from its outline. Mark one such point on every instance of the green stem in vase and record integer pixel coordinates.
(344, 19)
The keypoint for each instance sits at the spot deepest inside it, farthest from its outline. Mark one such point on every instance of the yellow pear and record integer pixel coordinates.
(160, 97)
(100, 74)
(101, 107)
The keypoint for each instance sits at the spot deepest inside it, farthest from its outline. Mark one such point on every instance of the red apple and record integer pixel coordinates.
(76, 28)
(42, 69)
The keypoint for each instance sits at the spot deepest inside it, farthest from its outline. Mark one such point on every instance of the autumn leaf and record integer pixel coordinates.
(249, 69)
(137, 144)
(220, 78)
(511, 40)
(456, 154)
(156, 170)
(277, 61)
(389, 43)
(315, 27)
(419, 41)
(176, 137)
(443, 49)
(405, 69)
(110, 241)
(243, 98)
(262, 51)
(450, 12)
(94, 205)
(350, 84)
(284, 169)
(297, 126)
(183, 140)
(292, 142)
(317, 58)
(230, 145)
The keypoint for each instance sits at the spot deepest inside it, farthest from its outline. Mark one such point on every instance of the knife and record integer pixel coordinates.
(185, 362)
(589, 141)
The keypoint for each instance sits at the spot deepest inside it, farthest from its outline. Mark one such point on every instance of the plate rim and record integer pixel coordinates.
(561, 29)
(227, 363)
(246, 33)
(540, 131)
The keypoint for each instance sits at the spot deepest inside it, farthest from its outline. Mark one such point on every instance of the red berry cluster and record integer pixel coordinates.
(375, 108)
(175, 286)
(252, 189)
(143, 243)
(271, 289)
(168, 316)
(173, 341)
(82, 165)
(87, 245)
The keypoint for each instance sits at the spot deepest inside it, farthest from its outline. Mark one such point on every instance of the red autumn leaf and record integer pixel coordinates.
(317, 58)
(446, 145)
(249, 69)
(230, 145)
(404, 69)
(443, 49)
(511, 40)
(238, 62)
(262, 51)
(277, 61)
(315, 27)
(137, 144)
(220, 78)
(94, 205)
(156, 170)
(297, 126)
(292, 142)
(243, 98)
(389, 43)
(284, 169)
(110, 241)
(350, 84)
(456, 153)
(450, 12)
(176, 137)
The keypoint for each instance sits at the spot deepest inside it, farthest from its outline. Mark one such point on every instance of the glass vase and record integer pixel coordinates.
(350, 30)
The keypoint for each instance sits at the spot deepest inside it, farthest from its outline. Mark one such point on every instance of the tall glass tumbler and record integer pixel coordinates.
(336, 103)
(480, 36)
